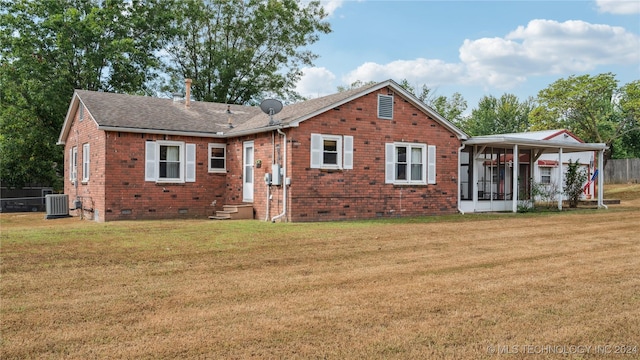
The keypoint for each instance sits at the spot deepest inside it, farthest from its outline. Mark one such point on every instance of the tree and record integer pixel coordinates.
(354, 85)
(451, 109)
(592, 107)
(627, 145)
(235, 51)
(499, 116)
(50, 48)
(573, 182)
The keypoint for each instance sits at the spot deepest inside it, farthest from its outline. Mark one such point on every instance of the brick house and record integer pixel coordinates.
(370, 152)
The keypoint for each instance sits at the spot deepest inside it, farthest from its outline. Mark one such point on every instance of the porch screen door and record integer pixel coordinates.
(247, 172)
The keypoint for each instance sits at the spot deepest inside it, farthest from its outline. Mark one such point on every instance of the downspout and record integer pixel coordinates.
(266, 218)
(75, 181)
(459, 183)
(273, 157)
(601, 180)
(284, 178)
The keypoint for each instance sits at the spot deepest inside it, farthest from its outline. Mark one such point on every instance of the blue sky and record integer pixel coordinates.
(476, 48)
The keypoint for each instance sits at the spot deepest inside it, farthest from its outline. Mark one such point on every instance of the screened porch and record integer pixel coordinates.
(496, 171)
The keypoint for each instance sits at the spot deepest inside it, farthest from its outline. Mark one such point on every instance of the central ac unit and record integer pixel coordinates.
(57, 206)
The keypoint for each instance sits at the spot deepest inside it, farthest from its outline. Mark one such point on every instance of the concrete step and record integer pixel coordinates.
(234, 212)
(595, 202)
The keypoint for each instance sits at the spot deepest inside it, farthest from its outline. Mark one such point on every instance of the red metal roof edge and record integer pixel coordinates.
(564, 131)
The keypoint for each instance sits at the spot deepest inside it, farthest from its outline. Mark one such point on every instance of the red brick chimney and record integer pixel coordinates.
(187, 94)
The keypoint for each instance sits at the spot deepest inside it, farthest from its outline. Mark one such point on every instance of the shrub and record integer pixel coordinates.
(573, 183)
(547, 193)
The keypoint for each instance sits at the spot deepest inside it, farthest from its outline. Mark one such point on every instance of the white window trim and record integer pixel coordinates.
(219, 146)
(187, 160)
(181, 160)
(73, 164)
(390, 160)
(344, 157)
(542, 175)
(338, 140)
(86, 162)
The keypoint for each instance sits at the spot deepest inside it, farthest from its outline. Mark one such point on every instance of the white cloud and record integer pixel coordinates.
(315, 82)
(423, 71)
(540, 48)
(622, 7)
(546, 47)
(330, 6)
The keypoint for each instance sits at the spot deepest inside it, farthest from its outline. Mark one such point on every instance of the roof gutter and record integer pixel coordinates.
(277, 127)
(536, 143)
(162, 132)
(216, 135)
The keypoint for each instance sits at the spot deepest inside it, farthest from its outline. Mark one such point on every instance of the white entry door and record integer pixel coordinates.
(247, 172)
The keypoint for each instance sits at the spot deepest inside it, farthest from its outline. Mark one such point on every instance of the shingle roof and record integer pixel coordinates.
(148, 113)
(300, 111)
(119, 112)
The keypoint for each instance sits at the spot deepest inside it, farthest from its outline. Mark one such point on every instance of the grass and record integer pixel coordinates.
(623, 191)
(455, 287)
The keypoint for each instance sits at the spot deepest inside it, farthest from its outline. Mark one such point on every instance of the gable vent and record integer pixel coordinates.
(385, 107)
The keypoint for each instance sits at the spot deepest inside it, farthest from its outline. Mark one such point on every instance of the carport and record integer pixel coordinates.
(494, 172)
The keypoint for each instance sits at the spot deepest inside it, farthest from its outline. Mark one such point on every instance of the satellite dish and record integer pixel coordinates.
(271, 107)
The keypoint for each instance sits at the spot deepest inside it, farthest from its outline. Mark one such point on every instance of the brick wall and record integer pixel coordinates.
(90, 193)
(117, 189)
(318, 195)
(267, 147)
(129, 196)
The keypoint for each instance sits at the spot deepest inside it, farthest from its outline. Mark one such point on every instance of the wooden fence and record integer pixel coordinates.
(622, 171)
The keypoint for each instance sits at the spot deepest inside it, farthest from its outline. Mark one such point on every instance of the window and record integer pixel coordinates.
(217, 158)
(385, 107)
(73, 164)
(331, 151)
(86, 155)
(170, 161)
(408, 163)
(545, 175)
(81, 112)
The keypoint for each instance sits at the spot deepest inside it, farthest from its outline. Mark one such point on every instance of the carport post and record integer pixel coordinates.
(601, 179)
(560, 179)
(516, 171)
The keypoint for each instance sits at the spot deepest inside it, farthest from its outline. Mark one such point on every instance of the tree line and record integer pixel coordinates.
(237, 52)
(594, 107)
